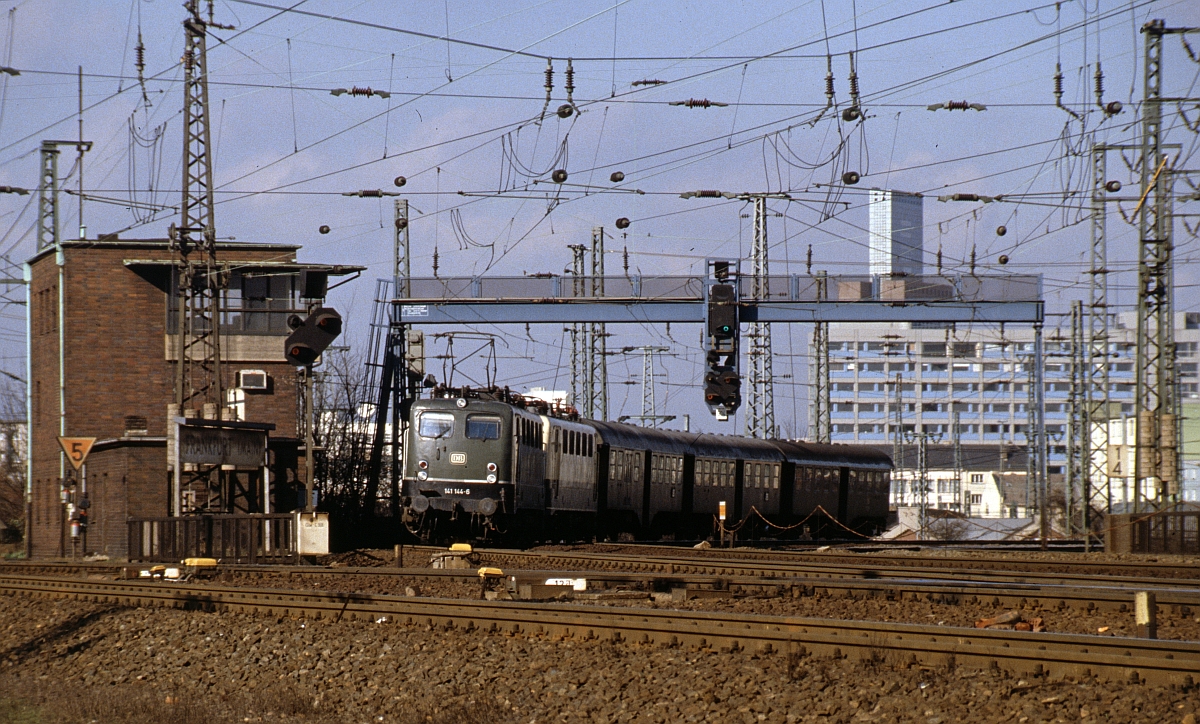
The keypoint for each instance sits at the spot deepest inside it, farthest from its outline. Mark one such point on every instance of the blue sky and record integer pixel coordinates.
(463, 118)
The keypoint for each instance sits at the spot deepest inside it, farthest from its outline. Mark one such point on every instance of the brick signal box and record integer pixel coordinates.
(102, 362)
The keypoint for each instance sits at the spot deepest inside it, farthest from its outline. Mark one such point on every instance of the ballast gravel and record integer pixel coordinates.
(78, 661)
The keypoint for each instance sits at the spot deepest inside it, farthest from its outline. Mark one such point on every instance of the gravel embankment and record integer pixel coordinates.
(1178, 625)
(83, 662)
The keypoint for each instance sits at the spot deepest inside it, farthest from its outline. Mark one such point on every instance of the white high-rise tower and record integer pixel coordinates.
(896, 233)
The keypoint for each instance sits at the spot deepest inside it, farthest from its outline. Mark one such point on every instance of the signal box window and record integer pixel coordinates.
(435, 425)
(483, 427)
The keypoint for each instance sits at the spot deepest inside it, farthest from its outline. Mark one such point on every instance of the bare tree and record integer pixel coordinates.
(343, 427)
(13, 432)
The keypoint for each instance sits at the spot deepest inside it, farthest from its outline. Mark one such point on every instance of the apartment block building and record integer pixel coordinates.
(983, 373)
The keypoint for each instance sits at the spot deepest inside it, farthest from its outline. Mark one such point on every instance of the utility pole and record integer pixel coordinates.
(48, 216)
(1038, 419)
(596, 381)
(649, 416)
(579, 343)
(760, 413)
(200, 281)
(1077, 444)
(1156, 453)
(398, 338)
(1097, 493)
(898, 433)
(820, 419)
(198, 375)
(48, 197)
(956, 431)
(921, 478)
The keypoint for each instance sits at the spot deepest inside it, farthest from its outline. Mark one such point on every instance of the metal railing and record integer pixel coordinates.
(229, 538)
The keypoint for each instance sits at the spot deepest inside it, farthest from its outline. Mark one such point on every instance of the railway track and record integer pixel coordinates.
(871, 555)
(817, 568)
(1046, 591)
(1026, 654)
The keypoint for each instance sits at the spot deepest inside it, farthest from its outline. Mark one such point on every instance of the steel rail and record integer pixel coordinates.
(1055, 595)
(1026, 654)
(856, 555)
(861, 568)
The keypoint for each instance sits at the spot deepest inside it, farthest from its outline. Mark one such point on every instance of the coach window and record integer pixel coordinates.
(483, 427)
(436, 425)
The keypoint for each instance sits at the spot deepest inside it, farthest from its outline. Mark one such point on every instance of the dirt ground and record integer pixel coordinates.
(67, 661)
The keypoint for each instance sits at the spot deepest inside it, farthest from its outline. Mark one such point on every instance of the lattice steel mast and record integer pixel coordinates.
(821, 429)
(596, 380)
(1098, 488)
(198, 380)
(760, 413)
(1156, 452)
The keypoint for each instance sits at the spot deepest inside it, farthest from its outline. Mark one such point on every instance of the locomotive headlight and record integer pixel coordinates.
(491, 467)
(491, 478)
(460, 402)
(423, 464)
(422, 475)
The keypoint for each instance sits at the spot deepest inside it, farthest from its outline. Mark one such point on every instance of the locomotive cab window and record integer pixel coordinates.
(435, 425)
(483, 427)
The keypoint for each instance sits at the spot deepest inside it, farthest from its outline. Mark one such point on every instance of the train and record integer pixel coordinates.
(494, 465)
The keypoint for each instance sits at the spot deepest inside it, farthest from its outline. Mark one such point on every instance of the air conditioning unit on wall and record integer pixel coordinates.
(253, 380)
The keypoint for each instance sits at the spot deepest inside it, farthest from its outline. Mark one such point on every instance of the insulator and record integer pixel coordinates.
(566, 110)
(957, 105)
(570, 79)
(371, 194)
(141, 54)
(356, 91)
(853, 80)
(851, 114)
(708, 194)
(1001, 231)
(559, 176)
(939, 259)
(400, 181)
(1003, 259)
(324, 229)
(829, 78)
(401, 224)
(850, 178)
(549, 76)
(698, 103)
(617, 177)
(1058, 82)
(1099, 85)
(623, 223)
(435, 261)
(808, 261)
(1112, 186)
(1113, 108)
(651, 81)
